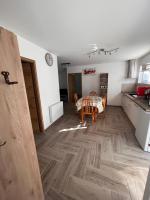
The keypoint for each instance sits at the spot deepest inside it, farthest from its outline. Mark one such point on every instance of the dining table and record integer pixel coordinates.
(97, 102)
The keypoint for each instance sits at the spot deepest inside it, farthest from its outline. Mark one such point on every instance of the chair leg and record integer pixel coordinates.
(82, 118)
(93, 118)
(95, 115)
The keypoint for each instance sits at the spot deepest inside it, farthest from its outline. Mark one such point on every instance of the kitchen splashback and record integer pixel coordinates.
(128, 87)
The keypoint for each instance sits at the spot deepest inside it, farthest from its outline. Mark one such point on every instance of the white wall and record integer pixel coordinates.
(144, 60)
(47, 76)
(116, 76)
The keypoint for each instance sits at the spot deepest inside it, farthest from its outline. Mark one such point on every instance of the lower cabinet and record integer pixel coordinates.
(134, 112)
(141, 121)
(142, 132)
(131, 109)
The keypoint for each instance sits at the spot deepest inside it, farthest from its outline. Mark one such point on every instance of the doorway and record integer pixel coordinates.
(32, 90)
(74, 85)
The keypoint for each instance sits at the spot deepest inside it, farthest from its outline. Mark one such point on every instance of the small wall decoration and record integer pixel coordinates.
(89, 71)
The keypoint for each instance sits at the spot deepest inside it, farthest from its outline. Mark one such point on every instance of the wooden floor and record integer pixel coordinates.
(100, 162)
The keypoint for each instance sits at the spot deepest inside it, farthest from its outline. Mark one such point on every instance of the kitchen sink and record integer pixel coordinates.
(134, 95)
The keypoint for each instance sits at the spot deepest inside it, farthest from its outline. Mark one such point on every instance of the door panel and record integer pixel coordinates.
(28, 78)
(71, 83)
(19, 169)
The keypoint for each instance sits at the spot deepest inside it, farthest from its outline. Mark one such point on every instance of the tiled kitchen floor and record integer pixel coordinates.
(95, 162)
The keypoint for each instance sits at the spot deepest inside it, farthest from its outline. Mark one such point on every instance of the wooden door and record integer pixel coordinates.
(71, 86)
(78, 84)
(19, 170)
(31, 95)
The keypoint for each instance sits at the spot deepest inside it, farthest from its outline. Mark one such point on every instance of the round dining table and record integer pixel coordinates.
(97, 102)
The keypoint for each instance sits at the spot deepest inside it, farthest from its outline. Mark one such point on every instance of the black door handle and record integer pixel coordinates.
(6, 77)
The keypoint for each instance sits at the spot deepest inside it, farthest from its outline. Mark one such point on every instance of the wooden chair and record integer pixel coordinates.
(88, 109)
(75, 97)
(92, 93)
(104, 101)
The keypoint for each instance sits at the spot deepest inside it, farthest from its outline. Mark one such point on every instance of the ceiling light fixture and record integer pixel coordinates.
(99, 51)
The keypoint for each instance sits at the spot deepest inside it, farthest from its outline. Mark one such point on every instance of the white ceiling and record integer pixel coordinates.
(66, 27)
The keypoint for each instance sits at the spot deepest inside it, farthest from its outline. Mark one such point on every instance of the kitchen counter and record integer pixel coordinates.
(138, 112)
(141, 101)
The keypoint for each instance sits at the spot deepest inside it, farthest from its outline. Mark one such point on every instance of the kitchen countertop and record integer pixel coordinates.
(141, 101)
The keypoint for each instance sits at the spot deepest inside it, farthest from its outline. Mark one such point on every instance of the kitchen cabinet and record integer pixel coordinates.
(140, 119)
(142, 132)
(103, 84)
(134, 112)
(125, 104)
(131, 109)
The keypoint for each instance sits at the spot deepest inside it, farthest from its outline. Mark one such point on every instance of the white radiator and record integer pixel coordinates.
(56, 111)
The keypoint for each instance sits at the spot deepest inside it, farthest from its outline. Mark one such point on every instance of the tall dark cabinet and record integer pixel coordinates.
(103, 84)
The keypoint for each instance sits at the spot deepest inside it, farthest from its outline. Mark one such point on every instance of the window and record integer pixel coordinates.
(144, 74)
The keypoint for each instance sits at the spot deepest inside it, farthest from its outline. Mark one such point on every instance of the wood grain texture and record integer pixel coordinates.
(36, 91)
(19, 169)
(101, 162)
(28, 78)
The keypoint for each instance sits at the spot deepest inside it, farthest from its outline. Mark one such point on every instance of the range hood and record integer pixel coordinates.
(132, 69)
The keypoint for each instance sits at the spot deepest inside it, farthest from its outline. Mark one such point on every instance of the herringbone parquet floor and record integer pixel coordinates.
(100, 162)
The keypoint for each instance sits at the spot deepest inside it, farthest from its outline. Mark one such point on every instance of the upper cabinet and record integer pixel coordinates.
(132, 69)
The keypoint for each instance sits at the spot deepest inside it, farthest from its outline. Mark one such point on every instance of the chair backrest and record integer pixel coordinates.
(104, 101)
(92, 93)
(87, 106)
(75, 97)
